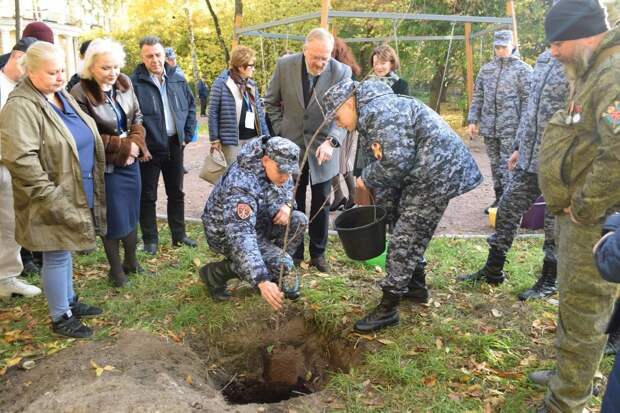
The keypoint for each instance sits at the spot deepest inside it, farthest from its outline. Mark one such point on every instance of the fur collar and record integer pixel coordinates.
(96, 95)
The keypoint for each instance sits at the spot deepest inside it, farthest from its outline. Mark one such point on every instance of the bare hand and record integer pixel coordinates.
(135, 150)
(512, 161)
(130, 161)
(324, 152)
(272, 294)
(471, 130)
(360, 185)
(569, 212)
(282, 216)
(216, 146)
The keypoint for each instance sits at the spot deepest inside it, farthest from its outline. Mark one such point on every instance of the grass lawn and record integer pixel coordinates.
(470, 349)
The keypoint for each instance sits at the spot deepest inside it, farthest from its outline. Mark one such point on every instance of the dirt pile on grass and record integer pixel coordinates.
(146, 373)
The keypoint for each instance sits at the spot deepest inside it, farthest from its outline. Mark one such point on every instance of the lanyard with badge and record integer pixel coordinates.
(109, 168)
(250, 117)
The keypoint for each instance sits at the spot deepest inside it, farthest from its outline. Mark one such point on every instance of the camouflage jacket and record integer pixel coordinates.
(241, 208)
(580, 159)
(499, 96)
(548, 94)
(416, 146)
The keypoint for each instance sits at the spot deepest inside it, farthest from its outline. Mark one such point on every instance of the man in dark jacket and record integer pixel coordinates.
(169, 113)
(203, 95)
(420, 165)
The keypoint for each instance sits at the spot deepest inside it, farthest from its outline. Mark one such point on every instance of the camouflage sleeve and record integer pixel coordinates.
(591, 201)
(477, 100)
(524, 87)
(240, 228)
(334, 130)
(284, 196)
(394, 153)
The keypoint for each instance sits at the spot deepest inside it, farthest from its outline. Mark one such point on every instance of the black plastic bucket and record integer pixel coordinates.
(362, 231)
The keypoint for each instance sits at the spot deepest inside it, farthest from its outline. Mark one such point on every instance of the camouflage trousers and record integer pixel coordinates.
(499, 150)
(586, 303)
(270, 243)
(521, 191)
(417, 220)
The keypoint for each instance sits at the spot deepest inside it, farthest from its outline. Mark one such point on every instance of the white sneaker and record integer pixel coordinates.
(16, 286)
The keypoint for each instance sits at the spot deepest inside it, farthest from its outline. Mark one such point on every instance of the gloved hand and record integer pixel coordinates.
(612, 223)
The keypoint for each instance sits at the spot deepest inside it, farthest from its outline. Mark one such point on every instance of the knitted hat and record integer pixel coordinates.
(575, 19)
(39, 30)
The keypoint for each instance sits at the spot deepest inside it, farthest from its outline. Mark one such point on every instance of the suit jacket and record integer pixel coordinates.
(284, 103)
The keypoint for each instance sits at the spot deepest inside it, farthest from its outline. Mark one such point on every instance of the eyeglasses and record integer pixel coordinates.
(250, 65)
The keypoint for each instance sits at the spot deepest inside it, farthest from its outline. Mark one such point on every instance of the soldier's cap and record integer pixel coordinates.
(337, 95)
(575, 19)
(170, 53)
(283, 152)
(24, 43)
(502, 38)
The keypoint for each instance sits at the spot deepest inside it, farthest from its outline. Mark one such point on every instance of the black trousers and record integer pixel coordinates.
(319, 213)
(171, 168)
(203, 107)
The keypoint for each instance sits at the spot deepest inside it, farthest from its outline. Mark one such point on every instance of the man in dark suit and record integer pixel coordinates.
(292, 102)
(167, 105)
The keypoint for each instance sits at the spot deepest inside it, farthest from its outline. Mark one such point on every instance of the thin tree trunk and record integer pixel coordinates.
(238, 21)
(192, 45)
(218, 31)
(18, 22)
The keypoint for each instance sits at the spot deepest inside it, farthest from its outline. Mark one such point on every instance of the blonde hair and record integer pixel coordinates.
(40, 52)
(240, 56)
(100, 47)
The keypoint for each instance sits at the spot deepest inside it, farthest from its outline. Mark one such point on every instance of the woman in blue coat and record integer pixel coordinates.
(236, 112)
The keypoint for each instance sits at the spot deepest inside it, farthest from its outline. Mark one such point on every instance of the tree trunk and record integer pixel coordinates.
(218, 31)
(238, 21)
(434, 101)
(192, 45)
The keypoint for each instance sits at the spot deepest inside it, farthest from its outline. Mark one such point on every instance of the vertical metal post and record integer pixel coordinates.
(18, 21)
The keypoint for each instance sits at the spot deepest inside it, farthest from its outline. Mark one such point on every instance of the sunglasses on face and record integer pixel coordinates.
(249, 65)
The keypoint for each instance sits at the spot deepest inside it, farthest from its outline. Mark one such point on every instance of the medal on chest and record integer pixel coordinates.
(574, 113)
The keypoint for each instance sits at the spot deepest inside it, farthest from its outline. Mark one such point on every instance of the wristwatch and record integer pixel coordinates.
(334, 142)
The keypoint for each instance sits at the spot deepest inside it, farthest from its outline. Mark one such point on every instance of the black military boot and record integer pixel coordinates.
(545, 286)
(384, 315)
(613, 344)
(215, 275)
(492, 272)
(417, 291)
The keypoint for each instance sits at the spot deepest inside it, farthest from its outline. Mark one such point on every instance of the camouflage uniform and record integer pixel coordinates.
(238, 215)
(580, 168)
(548, 92)
(423, 165)
(499, 99)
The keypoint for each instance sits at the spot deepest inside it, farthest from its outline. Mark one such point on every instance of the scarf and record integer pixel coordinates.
(246, 89)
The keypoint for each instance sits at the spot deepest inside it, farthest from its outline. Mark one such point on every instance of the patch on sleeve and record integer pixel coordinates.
(377, 150)
(612, 116)
(244, 211)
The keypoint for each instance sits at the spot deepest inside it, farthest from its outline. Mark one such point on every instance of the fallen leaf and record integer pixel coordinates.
(189, 379)
(439, 343)
(13, 362)
(496, 313)
(385, 341)
(430, 381)
(196, 262)
(304, 265)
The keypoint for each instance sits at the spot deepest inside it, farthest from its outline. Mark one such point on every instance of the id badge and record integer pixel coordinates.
(249, 120)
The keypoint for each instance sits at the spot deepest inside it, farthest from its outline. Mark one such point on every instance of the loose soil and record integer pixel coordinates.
(464, 214)
(273, 360)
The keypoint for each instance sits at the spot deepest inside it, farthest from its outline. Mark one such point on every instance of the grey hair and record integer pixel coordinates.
(321, 35)
(40, 52)
(100, 47)
(150, 41)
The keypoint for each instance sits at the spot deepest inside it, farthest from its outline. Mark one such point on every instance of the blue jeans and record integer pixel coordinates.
(611, 400)
(57, 275)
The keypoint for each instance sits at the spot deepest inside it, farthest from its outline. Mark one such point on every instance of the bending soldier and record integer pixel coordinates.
(420, 165)
(246, 215)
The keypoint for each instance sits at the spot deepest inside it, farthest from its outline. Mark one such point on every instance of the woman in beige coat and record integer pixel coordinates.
(56, 159)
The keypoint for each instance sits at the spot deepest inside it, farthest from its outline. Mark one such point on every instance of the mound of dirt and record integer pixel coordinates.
(150, 374)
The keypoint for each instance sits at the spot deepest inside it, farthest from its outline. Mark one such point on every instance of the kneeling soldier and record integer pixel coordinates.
(420, 165)
(246, 215)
